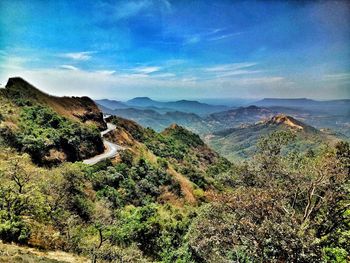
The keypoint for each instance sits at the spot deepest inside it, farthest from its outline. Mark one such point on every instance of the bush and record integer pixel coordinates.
(43, 130)
(14, 230)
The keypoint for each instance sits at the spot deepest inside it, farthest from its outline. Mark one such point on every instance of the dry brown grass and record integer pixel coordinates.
(15, 254)
(186, 185)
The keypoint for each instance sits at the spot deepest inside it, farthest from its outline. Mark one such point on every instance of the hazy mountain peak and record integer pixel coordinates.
(286, 99)
(141, 99)
(286, 120)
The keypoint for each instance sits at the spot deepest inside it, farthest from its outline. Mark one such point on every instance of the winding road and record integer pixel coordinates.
(111, 148)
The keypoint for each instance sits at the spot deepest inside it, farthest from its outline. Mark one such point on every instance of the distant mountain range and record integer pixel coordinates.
(328, 106)
(234, 132)
(162, 107)
(159, 121)
(112, 104)
(320, 114)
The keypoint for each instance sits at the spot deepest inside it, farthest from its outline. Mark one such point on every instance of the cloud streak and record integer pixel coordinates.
(221, 37)
(79, 56)
(128, 9)
(146, 70)
(68, 67)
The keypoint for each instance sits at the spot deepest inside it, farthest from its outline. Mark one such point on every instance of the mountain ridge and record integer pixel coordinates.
(50, 129)
(82, 109)
(189, 106)
(240, 142)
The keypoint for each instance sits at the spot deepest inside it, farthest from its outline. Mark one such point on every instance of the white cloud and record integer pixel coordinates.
(146, 70)
(80, 56)
(221, 37)
(106, 72)
(13, 62)
(68, 67)
(164, 75)
(261, 80)
(225, 80)
(236, 73)
(229, 67)
(166, 4)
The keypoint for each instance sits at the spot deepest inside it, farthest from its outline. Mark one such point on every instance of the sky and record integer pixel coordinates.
(178, 49)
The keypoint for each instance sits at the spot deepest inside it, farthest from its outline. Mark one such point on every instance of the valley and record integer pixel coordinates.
(165, 131)
(81, 181)
(234, 131)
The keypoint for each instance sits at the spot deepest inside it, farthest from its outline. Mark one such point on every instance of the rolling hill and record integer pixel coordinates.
(51, 129)
(240, 142)
(159, 121)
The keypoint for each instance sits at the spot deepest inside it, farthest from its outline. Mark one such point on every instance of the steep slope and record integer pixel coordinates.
(238, 143)
(81, 109)
(51, 129)
(17, 254)
(187, 158)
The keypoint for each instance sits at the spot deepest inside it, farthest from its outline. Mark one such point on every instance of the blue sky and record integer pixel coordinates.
(178, 49)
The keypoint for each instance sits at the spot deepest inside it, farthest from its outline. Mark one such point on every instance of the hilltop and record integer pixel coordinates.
(112, 104)
(81, 109)
(236, 117)
(51, 129)
(186, 157)
(240, 142)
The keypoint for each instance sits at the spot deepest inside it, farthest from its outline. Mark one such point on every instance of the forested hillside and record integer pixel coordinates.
(50, 129)
(240, 143)
(167, 197)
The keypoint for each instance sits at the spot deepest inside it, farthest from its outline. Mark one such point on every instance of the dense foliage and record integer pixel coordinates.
(169, 198)
(278, 208)
(50, 138)
(282, 208)
(184, 150)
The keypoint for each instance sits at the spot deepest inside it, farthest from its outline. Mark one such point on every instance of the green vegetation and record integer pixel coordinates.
(168, 197)
(184, 150)
(281, 207)
(50, 138)
(240, 143)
